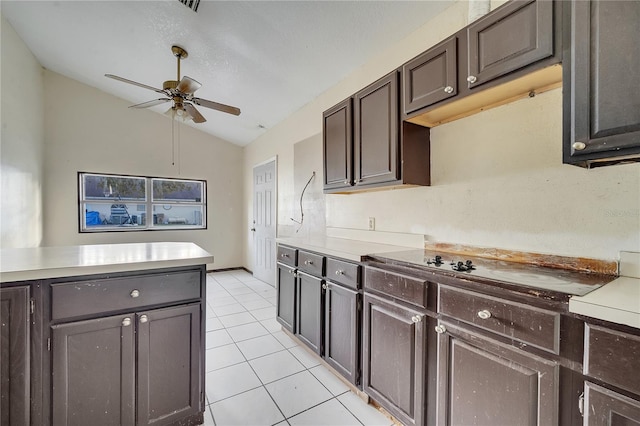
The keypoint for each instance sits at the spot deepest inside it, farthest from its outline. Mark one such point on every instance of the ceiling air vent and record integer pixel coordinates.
(191, 4)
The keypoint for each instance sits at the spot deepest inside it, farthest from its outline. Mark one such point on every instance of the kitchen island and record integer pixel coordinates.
(103, 334)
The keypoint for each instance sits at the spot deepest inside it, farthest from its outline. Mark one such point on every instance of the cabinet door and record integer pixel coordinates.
(309, 311)
(394, 352)
(482, 382)
(376, 131)
(170, 365)
(14, 350)
(604, 407)
(341, 331)
(514, 36)
(337, 141)
(93, 372)
(602, 95)
(286, 291)
(431, 77)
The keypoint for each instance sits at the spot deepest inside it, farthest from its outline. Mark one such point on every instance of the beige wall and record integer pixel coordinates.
(498, 177)
(89, 130)
(21, 143)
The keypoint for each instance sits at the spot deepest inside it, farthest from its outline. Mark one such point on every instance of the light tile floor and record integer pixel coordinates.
(257, 375)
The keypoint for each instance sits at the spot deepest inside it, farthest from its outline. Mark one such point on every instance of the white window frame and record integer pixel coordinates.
(148, 201)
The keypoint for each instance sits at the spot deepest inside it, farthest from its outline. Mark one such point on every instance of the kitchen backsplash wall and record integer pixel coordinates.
(497, 177)
(306, 161)
(498, 181)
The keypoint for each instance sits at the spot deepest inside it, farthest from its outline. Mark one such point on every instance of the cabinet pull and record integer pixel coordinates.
(144, 319)
(472, 79)
(324, 286)
(339, 272)
(134, 293)
(440, 329)
(308, 262)
(581, 404)
(416, 318)
(283, 255)
(579, 146)
(484, 314)
(448, 89)
(126, 322)
(346, 182)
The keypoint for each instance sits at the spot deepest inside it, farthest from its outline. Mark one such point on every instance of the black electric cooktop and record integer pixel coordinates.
(533, 276)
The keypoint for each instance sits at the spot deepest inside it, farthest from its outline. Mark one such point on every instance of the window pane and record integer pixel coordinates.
(177, 190)
(116, 187)
(177, 215)
(103, 215)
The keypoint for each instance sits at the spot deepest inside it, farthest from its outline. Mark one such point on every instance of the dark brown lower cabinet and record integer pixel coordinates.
(394, 355)
(310, 311)
(14, 349)
(342, 331)
(93, 372)
(484, 382)
(95, 368)
(604, 407)
(286, 296)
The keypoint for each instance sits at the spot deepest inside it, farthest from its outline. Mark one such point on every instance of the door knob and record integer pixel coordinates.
(144, 319)
(134, 293)
(126, 322)
(440, 329)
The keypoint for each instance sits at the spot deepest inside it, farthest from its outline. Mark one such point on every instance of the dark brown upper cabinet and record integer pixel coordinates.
(601, 97)
(376, 132)
(506, 55)
(516, 35)
(386, 151)
(337, 139)
(431, 77)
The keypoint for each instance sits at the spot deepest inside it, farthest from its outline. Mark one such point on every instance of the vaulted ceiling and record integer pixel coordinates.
(269, 58)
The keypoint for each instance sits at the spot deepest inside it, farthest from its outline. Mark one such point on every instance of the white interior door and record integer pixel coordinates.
(264, 222)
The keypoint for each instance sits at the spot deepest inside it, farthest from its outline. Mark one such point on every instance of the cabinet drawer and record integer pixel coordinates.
(613, 357)
(342, 272)
(81, 298)
(403, 287)
(311, 263)
(287, 255)
(534, 326)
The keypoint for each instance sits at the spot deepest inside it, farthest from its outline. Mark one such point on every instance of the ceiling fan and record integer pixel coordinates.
(180, 91)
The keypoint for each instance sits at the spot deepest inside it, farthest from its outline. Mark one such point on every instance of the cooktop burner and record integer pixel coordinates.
(559, 280)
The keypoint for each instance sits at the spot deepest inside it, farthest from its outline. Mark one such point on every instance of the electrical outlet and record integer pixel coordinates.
(372, 224)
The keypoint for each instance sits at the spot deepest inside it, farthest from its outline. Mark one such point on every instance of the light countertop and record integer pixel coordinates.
(618, 302)
(23, 264)
(354, 250)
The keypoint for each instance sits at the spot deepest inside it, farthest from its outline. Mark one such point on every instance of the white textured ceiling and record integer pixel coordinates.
(269, 58)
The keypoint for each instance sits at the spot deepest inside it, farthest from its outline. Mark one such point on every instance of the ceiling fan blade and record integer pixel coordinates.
(188, 85)
(150, 103)
(135, 83)
(216, 106)
(194, 113)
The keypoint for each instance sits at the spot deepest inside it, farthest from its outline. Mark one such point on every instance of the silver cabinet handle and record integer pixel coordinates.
(134, 293)
(579, 146)
(283, 255)
(472, 79)
(143, 319)
(324, 286)
(416, 318)
(346, 182)
(291, 271)
(448, 89)
(440, 329)
(357, 181)
(484, 314)
(339, 272)
(126, 322)
(308, 262)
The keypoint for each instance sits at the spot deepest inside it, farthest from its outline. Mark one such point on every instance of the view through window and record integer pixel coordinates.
(128, 203)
